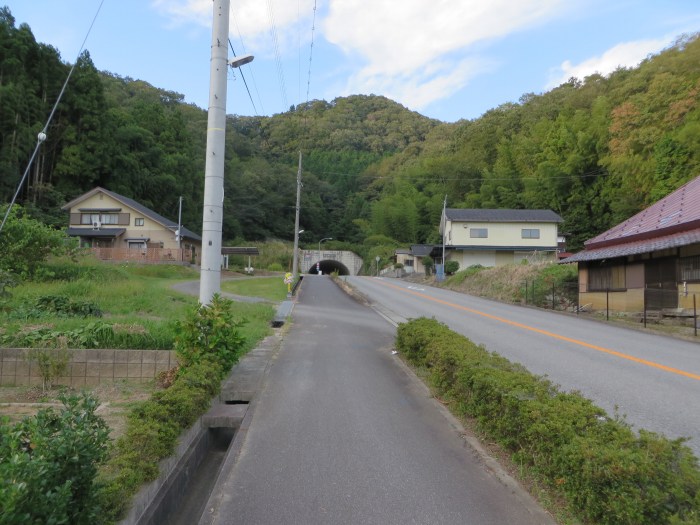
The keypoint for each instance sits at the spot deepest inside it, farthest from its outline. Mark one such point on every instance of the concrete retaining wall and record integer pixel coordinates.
(87, 367)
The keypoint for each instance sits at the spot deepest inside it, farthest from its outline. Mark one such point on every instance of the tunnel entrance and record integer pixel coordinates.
(329, 266)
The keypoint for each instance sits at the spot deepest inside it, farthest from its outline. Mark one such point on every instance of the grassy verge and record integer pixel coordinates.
(606, 473)
(137, 305)
(272, 288)
(208, 341)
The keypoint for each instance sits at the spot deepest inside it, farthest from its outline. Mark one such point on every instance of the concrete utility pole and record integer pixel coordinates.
(210, 275)
(295, 264)
(179, 226)
(444, 231)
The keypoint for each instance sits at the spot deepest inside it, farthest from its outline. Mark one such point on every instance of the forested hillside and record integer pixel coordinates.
(594, 150)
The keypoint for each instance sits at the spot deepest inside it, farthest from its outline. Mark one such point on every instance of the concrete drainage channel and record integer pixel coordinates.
(179, 495)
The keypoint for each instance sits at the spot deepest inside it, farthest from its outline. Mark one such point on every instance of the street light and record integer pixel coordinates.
(319, 250)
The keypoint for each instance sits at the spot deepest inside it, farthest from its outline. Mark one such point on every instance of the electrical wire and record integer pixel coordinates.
(42, 134)
(311, 54)
(246, 83)
(278, 59)
(250, 66)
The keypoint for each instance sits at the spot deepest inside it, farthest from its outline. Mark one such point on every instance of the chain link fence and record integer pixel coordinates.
(662, 302)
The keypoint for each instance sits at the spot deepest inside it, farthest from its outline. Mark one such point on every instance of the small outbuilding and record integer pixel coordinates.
(650, 260)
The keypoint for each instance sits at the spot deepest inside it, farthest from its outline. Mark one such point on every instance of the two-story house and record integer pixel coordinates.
(117, 227)
(492, 237)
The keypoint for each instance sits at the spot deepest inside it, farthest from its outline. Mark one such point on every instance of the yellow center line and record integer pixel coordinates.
(548, 334)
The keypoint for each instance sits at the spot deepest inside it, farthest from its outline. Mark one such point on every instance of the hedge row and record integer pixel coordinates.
(208, 343)
(153, 428)
(607, 473)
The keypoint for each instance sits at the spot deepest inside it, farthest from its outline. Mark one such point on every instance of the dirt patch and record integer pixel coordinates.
(116, 399)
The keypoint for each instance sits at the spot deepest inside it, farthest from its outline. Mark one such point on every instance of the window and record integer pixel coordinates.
(690, 268)
(478, 233)
(409, 262)
(138, 221)
(602, 278)
(102, 218)
(137, 245)
(89, 218)
(530, 233)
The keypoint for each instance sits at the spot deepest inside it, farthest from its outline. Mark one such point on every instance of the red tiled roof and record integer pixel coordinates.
(673, 240)
(679, 211)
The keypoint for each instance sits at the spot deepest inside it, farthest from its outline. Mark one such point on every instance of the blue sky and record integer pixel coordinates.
(446, 59)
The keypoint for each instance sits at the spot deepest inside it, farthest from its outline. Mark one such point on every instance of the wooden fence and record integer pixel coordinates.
(147, 255)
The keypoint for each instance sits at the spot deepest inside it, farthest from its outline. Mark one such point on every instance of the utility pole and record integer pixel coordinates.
(179, 227)
(295, 264)
(444, 230)
(212, 219)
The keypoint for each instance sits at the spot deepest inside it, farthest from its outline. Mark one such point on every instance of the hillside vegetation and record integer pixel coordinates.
(595, 150)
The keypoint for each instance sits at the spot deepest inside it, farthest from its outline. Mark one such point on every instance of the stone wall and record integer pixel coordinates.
(87, 367)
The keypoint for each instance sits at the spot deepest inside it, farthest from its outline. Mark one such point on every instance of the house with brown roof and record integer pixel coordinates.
(652, 258)
(116, 227)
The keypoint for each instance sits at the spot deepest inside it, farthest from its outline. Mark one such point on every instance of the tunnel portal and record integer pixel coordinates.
(329, 266)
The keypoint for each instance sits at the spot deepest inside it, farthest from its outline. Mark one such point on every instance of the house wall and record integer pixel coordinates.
(467, 258)
(471, 258)
(407, 260)
(501, 234)
(629, 301)
(685, 296)
(417, 267)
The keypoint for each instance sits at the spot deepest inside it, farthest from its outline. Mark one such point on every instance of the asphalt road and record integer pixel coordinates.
(343, 433)
(654, 381)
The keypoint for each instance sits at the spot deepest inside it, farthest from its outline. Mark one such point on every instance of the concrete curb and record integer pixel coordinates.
(219, 492)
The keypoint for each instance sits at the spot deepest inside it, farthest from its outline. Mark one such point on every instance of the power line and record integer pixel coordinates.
(311, 54)
(591, 174)
(42, 135)
(252, 75)
(278, 59)
(243, 77)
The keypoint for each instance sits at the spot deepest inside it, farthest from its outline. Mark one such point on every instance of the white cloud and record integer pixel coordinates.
(416, 51)
(250, 20)
(628, 54)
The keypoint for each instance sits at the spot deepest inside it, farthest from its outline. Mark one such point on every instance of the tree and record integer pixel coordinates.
(26, 243)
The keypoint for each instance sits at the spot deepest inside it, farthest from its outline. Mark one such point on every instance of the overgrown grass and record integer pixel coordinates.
(272, 288)
(509, 283)
(137, 302)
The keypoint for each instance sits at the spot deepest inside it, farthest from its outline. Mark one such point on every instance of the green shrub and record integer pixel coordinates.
(428, 263)
(48, 465)
(208, 343)
(153, 428)
(451, 267)
(275, 267)
(608, 474)
(210, 332)
(61, 305)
